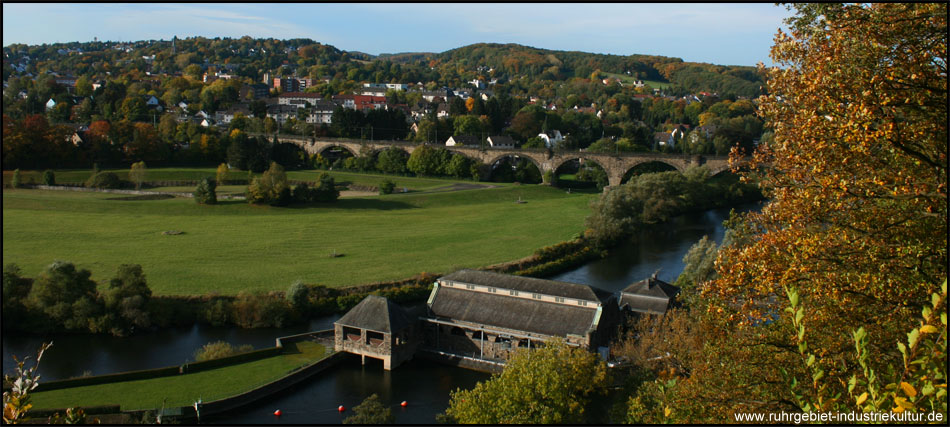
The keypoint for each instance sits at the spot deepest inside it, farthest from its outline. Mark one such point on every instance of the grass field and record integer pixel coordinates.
(234, 246)
(183, 390)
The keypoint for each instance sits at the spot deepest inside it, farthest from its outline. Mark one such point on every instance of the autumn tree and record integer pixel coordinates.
(550, 384)
(856, 226)
(137, 174)
(271, 187)
(221, 174)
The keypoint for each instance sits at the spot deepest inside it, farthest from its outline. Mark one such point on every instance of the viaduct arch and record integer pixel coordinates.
(615, 165)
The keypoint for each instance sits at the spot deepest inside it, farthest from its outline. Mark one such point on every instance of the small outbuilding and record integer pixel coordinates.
(648, 296)
(377, 328)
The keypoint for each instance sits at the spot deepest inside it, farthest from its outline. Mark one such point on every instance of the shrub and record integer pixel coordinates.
(297, 295)
(217, 312)
(387, 186)
(326, 189)
(302, 193)
(268, 188)
(205, 192)
(49, 178)
(221, 174)
(104, 180)
(16, 179)
(137, 174)
(219, 349)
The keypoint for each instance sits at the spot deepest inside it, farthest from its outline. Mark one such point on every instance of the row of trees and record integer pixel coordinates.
(63, 297)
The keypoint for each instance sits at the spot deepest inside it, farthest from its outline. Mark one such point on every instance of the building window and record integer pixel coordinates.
(515, 293)
(559, 299)
(582, 303)
(536, 296)
(449, 284)
(492, 290)
(472, 287)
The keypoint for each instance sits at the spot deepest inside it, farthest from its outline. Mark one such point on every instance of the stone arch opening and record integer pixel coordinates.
(652, 166)
(581, 173)
(515, 168)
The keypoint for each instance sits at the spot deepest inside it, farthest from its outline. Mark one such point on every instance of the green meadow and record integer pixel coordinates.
(233, 246)
(183, 390)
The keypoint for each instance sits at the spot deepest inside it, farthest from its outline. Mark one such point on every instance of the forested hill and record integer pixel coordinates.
(251, 58)
(542, 64)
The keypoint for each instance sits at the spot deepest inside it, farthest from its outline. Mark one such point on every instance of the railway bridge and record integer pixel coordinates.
(615, 165)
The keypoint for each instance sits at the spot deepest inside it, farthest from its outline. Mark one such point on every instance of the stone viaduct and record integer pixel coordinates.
(616, 165)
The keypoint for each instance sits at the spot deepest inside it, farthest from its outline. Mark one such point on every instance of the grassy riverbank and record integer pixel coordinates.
(183, 390)
(235, 246)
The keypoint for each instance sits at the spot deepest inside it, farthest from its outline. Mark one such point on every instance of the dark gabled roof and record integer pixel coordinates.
(650, 295)
(512, 313)
(501, 140)
(376, 313)
(524, 284)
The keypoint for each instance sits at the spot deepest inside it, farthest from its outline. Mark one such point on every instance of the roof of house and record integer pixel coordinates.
(501, 140)
(512, 313)
(527, 284)
(376, 313)
(650, 295)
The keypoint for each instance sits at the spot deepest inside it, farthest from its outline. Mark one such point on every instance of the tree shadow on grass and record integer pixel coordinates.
(356, 203)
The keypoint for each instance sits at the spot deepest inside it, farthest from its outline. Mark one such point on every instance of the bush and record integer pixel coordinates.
(16, 179)
(205, 192)
(297, 295)
(302, 193)
(104, 180)
(49, 178)
(269, 187)
(387, 186)
(219, 349)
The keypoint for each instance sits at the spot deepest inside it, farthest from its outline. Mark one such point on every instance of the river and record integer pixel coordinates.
(425, 386)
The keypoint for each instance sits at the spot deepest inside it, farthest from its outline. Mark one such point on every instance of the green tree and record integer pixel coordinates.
(137, 174)
(66, 295)
(392, 160)
(133, 108)
(16, 181)
(127, 297)
(204, 193)
(424, 161)
(325, 191)
(552, 384)
(270, 188)
(386, 187)
(371, 411)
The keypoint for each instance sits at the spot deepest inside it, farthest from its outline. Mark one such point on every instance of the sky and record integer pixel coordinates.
(719, 33)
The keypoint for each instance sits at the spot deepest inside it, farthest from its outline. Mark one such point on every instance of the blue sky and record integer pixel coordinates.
(728, 34)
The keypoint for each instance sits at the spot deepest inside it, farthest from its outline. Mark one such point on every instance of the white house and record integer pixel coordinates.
(50, 104)
(500, 141)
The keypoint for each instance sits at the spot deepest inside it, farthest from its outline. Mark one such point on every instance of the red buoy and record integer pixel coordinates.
(341, 408)
(403, 404)
(277, 412)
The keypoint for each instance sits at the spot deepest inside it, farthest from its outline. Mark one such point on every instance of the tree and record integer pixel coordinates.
(325, 191)
(370, 411)
(133, 108)
(386, 187)
(66, 295)
(392, 160)
(552, 384)
(221, 174)
(270, 187)
(127, 297)
(424, 160)
(204, 193)
(16, 181)
(137, 174)
(854, 233)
